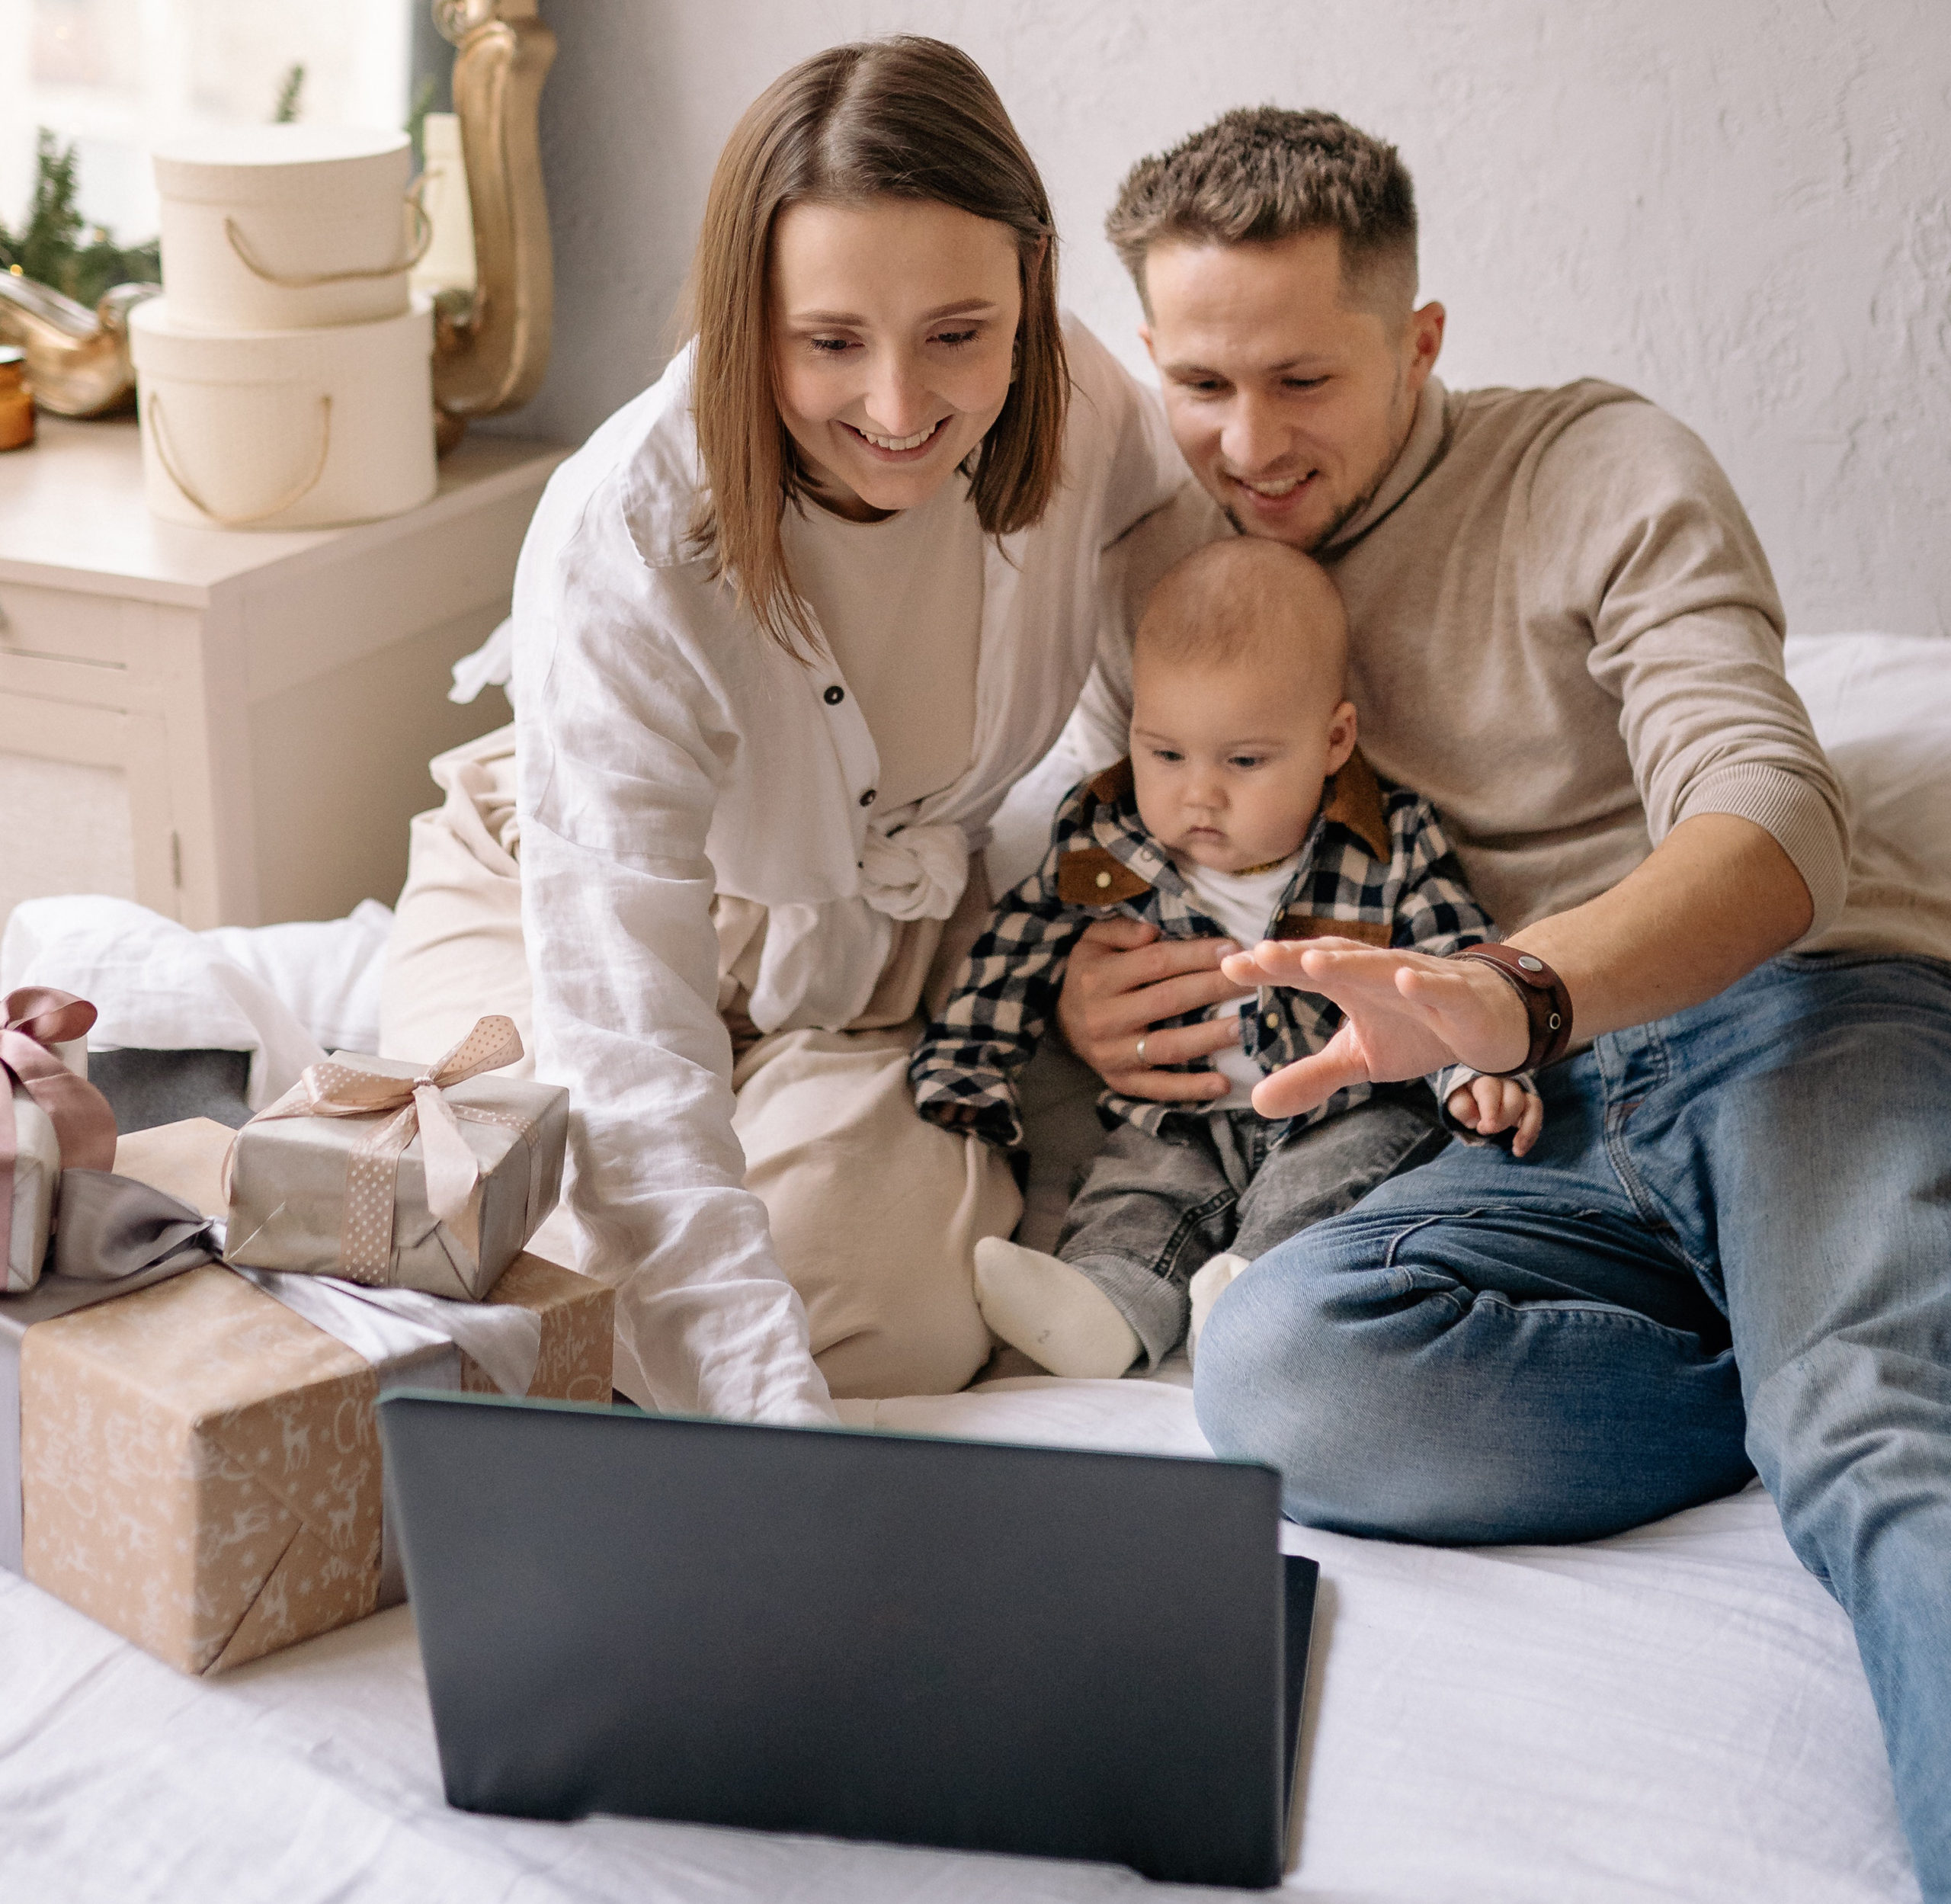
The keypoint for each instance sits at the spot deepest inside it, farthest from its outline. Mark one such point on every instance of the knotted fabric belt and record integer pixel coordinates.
(914, 872)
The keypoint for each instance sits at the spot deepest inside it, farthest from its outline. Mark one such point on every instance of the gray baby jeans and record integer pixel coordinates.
(1152, 1209)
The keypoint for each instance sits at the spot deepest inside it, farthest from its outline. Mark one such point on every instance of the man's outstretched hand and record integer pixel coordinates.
(1405, 1015)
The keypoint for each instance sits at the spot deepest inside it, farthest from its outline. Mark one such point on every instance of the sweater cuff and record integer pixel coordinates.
(1795, 814)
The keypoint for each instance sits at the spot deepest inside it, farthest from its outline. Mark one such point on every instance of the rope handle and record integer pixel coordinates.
(423, 237)
(153, 405)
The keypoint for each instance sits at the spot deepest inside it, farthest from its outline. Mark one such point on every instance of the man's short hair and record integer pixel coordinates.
(1260, 173)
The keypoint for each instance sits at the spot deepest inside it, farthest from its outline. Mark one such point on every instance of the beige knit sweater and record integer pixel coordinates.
(1564, 632)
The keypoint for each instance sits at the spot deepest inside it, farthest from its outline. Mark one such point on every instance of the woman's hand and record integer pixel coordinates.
(1407, 1015)
(1122, 979)
(1489, 1105)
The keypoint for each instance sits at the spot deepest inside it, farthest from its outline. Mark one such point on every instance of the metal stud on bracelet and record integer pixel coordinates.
(1547, 1003)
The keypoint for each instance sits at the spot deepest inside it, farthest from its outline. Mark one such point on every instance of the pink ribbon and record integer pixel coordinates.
(335, 1089)
(32, 1019)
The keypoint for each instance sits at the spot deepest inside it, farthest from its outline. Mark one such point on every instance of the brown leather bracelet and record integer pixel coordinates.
(1547, 1003)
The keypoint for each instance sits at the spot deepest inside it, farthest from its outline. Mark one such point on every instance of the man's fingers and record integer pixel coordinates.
(1116, 942)
(1309, 1081)
(1461, 1104)
(1300, 962)
(1179, 1044)
(1114, 934)
(1168, 1086)
(1132, 1011)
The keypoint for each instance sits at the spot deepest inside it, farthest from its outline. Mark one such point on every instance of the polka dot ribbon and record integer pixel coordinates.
(409, 1106)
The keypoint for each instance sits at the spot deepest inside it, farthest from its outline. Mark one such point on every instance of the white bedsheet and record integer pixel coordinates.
(1675, 1715)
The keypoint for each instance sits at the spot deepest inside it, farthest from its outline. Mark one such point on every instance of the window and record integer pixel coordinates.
(116, 77)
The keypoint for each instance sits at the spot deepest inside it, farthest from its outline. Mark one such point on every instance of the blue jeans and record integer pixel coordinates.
(1731, 1246)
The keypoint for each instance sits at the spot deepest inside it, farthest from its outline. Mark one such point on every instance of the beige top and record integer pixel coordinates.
(900, 602)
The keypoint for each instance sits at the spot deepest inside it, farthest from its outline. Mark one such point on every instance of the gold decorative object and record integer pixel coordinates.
(16, 401)
(490, 351)
(78, 359)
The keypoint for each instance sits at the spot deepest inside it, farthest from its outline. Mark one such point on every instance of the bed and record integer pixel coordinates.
(1676, 1714)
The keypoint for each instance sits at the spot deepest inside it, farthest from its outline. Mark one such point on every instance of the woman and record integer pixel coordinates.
(787, 629)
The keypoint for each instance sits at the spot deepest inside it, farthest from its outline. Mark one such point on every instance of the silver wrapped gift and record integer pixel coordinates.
(394, 1176)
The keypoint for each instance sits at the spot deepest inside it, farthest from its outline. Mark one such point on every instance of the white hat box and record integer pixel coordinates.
(302, 429)
(278, 228)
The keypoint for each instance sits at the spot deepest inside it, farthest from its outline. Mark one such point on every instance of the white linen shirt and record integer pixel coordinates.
(669, 750)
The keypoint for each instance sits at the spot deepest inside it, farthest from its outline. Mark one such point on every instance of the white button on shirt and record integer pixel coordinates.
(669, 750)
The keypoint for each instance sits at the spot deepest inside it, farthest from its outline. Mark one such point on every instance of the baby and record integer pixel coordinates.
(1243, 812)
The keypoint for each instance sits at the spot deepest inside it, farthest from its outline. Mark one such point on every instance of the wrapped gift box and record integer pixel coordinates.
(51, 1116)
(36, 1170)
(199, 1467)
(314, 1194)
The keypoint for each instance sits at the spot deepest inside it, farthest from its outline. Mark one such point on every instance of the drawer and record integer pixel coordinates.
(56, 645)
(64, 624)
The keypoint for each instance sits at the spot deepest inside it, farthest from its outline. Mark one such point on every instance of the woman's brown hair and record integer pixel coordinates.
(905, 117)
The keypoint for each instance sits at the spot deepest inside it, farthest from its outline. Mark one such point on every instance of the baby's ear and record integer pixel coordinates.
(1340, 736)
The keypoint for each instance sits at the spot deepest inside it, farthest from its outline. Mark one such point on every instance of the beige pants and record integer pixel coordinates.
(875, 1214)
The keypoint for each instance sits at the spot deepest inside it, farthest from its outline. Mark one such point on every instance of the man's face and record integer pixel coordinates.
(1289, 402)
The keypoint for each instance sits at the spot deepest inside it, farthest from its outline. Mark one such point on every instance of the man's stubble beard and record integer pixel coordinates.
(1349, 511)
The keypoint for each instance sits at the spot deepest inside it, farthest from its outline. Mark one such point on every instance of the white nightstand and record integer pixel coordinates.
(234, 727)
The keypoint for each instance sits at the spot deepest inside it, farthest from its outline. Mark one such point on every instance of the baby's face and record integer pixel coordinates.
(1229, 765)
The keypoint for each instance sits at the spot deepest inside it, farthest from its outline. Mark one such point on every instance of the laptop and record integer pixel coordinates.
(968, 1645)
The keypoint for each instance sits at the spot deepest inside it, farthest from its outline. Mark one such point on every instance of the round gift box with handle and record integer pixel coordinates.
(278, 228)
(285, 429)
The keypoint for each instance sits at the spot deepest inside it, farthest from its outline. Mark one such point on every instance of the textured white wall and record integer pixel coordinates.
(1738, 207)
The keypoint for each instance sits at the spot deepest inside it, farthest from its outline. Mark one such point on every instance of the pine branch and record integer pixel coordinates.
(291, 97)
(49, 249)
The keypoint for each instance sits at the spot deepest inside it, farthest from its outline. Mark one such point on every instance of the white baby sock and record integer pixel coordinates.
(1208, 1284)
(1056, 1314)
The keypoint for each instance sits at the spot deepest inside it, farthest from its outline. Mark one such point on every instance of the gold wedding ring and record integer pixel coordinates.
(1141, 1051)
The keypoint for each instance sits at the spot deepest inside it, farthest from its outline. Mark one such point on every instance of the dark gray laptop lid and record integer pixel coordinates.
(969, 1645)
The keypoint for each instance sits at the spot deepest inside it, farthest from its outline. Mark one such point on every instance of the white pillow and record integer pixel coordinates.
(1881, 705)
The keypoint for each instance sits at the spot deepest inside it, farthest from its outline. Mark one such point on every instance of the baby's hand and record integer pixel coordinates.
(1485, 1105)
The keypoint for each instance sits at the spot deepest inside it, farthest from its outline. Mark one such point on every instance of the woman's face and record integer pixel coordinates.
(893, 324)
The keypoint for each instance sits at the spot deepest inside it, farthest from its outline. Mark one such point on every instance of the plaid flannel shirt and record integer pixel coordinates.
(1374, 866)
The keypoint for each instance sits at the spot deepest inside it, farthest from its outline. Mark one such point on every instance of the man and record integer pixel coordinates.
(1733, 1244)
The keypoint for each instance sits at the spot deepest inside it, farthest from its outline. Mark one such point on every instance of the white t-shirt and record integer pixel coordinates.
(900, 602)
(1242, 904)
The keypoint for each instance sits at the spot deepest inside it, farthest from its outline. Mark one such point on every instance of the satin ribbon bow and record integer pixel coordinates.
(32, 1019)
(337, 1089)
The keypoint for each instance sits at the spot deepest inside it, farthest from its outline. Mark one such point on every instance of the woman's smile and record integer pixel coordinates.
(899, 449)
(894, 328)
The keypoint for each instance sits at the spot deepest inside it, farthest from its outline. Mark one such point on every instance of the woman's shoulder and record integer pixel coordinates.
(640, 464)
(1108, 391)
